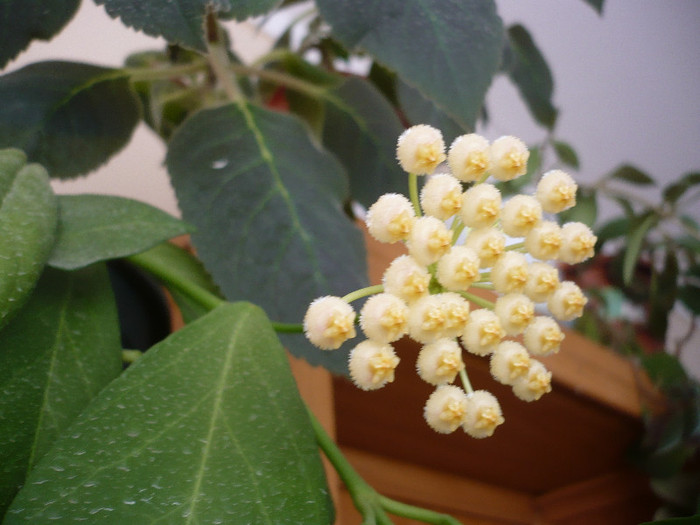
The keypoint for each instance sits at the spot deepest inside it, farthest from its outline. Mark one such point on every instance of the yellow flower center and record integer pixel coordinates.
(582, 245)
(434, 319)
(428, 156)
(382, 366)
(551, 338)
(488, 418)
(466, 273)
(488, 209)
(400, 226)
(449, 364)
(415, 285)
(477, 163)
(518, 365)
(522, 314)
(516, 277)
(452, 202)
(394, 321)
(574, 303)
(453, 413)
(439, 242)
(546, 283)
(514, 161)
(340, 328)
(565, 195)
(539, 383)
(490, 334)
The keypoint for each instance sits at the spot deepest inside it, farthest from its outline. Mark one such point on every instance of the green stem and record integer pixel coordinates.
(479, 301)
(415, 513)
(220, 63)
(483, 285)
(280, 78)
(413, 193)
(363, 292)
(457, 229)
(518, 246)
(288, 328)
(164, 73)
(465, 381)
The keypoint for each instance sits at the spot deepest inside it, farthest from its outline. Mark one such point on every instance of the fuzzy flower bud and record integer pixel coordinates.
(391, 218)
(488, 243)
(372, 365)
(441, 196)
(534, 384)
(520, 214)
(543, 336)
(329, 322)
(384, 318)
(429, 240)
(427, 319)
(456, 309)
(556, 191)
(458, 269)
(542, 280)
(406, 279)
(420, 149)
(440, 362)
(446, 408)
(509, 274)
(567, 301)
(469, 157)
(483, 332)
(509, 157)
(481, 205)
(509, 362)
(544, 241)
(483, 414)
(515, 311)
(577, 243)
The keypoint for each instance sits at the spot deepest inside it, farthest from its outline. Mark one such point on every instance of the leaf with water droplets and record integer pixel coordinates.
(55, 355)
(206, 427)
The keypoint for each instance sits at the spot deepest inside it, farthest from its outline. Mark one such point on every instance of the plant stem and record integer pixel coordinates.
(164, 73)
(288, 328)
(363, 292)
(479, 301)
(413, 193)
(280, 78)
(465, 381)
(219, 60)
(415, 513)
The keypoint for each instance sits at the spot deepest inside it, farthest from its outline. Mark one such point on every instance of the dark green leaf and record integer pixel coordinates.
(613, 229)
(385, 81)
(449, 51)
(361, 129)
(631, 174)
(675, 191)
(596, 4)
(67, 116)
(566, 154)
(690, 223)
(690, 520)
(664, 369)
(22, 21)
(664, 290)
(28, 224)
(206, 427)
(56, 354)
(95, 228)
(689, 295)
(634, 244)
(268, 208)
(181, 22)
(585, 210)
(529, 71)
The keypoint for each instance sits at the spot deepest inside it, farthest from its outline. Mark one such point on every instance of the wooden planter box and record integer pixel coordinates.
(559, 460)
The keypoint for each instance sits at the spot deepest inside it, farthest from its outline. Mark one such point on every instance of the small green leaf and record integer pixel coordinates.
(67, 116)
(664, 369)
(56, 354)
(634, 245)
(529, 71)
(566, 154)
(613, 229)
(676, 190)
(449, 51)
(596, 4)
(22, 21)
(629, 173)
(361, 129)
(28, 223)
(95, 228)
(689, 295)
(664, 290)
(181, 22)
(206, 427)
(585, 210)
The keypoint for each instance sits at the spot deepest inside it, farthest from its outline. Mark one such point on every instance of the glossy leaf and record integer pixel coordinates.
(566, 154)
(449, 51)
(181, 22)
(268, 208)
(629, 173)
(361, 128)
(69, 117)
(206, 427)
(676, 190)
(95, 228)
(28, 224)
(634, 244)
(528, 70)
(59, 351)
(22, 21)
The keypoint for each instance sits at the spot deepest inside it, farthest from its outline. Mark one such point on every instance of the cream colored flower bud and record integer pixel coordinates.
(509, 362)
(520, 214)
(543, 336)
(458, 269)
(420, 149)
(456, 309)
(445, 410)
(534, 384)
(556, 191)
(509, 157)
(488, 243)
(515, 311)
(406, 279)
(567, 302)
(440, 362)
(544, 241)
(329, 322)
(483, 414)
(384, 318)
(427, 319)
(391, 218)
(469, 157)
(483, 332)
(481, 205)
(542, 280)
(372, 365)
(577, 243)
(509, 274)
(429, 240)
(441, 196)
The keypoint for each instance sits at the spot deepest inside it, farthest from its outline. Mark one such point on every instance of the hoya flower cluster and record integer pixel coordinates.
(461, 235)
